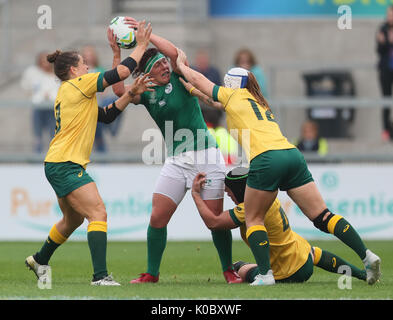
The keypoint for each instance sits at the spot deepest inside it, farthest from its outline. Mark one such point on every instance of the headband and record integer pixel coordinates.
(151, 62)
(237, 177)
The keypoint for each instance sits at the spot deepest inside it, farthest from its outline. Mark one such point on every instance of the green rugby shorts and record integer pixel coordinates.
(278, 169)
(66, 177)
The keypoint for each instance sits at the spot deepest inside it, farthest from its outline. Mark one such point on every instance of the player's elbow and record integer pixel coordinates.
(119, 91)
(124, 73)
(212, 224)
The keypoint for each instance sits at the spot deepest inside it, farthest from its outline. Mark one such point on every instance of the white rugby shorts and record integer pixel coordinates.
(178, 173)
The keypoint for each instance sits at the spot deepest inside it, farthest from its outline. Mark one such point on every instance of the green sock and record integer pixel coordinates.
(43, 256)
(54, 240)
(347, 234)
(331, 262)
(259, 244)
(156, 243)
(222, 240)
(97, 241)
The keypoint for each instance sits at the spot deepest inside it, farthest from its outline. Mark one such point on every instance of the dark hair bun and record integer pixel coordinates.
(52, 57)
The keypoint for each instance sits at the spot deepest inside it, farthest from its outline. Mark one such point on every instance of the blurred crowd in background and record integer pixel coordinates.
(39, 82)
(41, 85)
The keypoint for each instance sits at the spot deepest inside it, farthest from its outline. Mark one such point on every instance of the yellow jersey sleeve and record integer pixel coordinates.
(88, 84)
(237, 214)
(222, 94)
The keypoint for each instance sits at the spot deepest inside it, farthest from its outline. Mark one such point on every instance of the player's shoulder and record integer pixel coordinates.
(87, 84)
(239, 208)
(175, 79)
(86, 77)
(243, 93)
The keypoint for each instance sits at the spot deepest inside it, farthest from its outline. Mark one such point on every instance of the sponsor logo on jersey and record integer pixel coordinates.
(153, 98)
(208, 182)
(168, 88)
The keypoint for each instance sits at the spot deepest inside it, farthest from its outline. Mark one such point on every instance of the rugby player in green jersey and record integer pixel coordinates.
(190, 149)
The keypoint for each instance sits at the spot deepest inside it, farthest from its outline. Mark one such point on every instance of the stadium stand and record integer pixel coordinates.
(300, 46)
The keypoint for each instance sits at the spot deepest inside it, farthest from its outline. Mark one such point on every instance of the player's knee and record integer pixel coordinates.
(321, 222)
(251, 221)
(99, 213)
(74, 222)
(78, 221)
(158, 220)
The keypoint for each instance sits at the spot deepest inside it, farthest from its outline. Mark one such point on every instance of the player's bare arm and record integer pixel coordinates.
(119, 88)
(124, 69)
(166, 47)
(197, 79)
(204, 98)
(110, 113)
(222, 221)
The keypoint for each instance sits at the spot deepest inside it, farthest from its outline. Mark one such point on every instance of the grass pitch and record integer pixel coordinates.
(189, 270)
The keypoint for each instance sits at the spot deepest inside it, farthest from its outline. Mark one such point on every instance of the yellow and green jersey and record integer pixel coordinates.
(257, 130)
(76, 113)
(288, 251)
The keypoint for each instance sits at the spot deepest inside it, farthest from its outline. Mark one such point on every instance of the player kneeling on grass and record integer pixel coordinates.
(291, 257)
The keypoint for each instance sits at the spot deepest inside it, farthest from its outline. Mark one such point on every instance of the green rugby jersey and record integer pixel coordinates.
(178, 115)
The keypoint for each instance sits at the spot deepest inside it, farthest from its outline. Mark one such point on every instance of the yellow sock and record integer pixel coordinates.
(97, 226)
(56, 236)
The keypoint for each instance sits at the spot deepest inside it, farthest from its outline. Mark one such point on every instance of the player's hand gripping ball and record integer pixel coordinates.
(125, 36)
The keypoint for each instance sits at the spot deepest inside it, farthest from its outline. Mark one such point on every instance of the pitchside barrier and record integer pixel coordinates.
(362, 193)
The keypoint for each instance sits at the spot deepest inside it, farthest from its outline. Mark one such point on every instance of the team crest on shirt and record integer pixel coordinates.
(153, 98)
(162, 103)
(168, 88)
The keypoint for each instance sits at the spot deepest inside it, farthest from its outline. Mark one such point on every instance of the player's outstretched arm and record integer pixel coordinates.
(204, 98)
(163, 45)
(222, 221)
(118, 87)
(197, 79)
(110, 113)
(123, 70)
